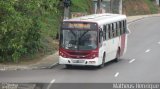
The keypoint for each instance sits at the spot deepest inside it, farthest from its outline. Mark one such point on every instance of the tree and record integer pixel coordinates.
(21, 24)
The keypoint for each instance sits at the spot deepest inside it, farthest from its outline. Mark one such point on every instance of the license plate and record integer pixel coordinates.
(78, 61)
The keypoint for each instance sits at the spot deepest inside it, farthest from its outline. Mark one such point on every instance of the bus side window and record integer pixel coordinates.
(104, 32)
(110, 31)
(124, 26)
(114, 29)
(121, 30)
(107, 32)
(118, 29)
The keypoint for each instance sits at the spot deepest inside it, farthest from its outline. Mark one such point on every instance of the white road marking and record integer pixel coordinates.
(52, 81)
(116, 75)
(50, 84)
(132, 60)
(148, 50)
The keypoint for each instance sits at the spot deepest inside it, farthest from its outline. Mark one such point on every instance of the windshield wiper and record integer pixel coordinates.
(80, 38)
(73, 33)
(83, 34)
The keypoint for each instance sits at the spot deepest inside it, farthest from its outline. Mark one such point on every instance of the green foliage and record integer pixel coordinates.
(81, 6)
(22, 25)
(152, 7)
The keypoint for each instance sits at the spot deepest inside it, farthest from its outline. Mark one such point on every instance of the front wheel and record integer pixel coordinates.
(103, 62)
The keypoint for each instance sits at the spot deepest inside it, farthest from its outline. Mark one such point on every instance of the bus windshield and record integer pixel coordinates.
(79, 39)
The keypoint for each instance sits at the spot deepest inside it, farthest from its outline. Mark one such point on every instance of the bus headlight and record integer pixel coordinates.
(62, 54)
(93, 55)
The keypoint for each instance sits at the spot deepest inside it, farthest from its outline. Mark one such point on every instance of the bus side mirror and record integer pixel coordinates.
(128, 31)
(101, 33)
(100, 37)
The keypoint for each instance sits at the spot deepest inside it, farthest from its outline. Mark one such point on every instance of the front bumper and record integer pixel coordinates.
(79, 62)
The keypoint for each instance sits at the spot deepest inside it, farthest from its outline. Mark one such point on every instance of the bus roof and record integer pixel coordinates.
(99, 18)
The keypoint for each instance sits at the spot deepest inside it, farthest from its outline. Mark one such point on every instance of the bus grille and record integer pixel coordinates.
(78, 53)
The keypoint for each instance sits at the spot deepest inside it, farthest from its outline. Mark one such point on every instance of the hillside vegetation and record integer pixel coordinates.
(81, 6)
(28, 27)
(139, 7)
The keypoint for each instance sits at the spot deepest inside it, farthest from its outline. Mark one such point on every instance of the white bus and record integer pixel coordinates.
(93, 40)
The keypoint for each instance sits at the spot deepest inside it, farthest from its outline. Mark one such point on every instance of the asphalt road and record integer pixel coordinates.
(140, 64)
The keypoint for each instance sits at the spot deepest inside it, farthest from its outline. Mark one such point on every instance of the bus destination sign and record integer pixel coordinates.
(72, 25)
(79, 25)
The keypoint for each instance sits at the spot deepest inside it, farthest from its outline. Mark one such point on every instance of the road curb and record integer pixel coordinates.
(16, 68)
(142, 17)
(55, 64)
(135, 20)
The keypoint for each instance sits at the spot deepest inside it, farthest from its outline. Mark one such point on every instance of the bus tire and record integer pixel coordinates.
(68, 66)
(103, 61)
(117, 55)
